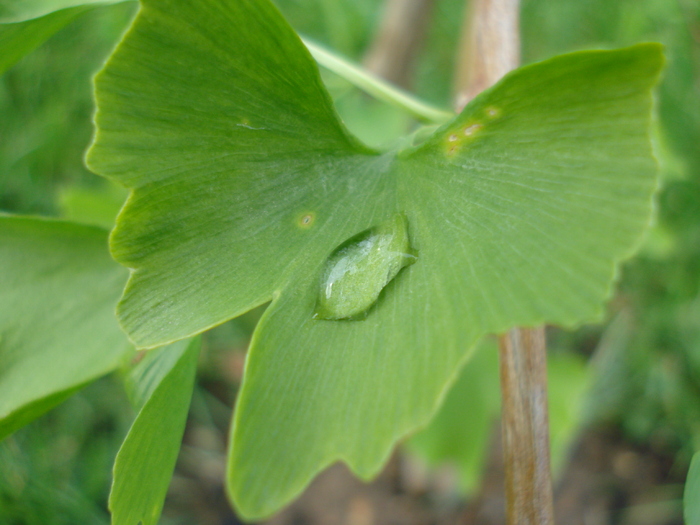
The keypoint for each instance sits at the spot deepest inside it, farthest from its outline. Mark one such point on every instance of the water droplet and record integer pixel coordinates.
(358, 270)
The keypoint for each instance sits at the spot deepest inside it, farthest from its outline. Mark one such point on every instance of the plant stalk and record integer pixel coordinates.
(399, 39)
(490, 47)
(525, 427)
(377, 87)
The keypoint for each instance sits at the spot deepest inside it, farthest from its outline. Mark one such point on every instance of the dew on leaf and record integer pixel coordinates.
(358, 270)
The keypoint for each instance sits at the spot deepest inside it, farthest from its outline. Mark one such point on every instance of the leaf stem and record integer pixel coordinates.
(525, 427)
(377, 87)
(490, 47)
(399, 39)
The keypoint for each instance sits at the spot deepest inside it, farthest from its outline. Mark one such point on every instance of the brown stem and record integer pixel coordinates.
(525, 427)
(490, 47)
(399, 39)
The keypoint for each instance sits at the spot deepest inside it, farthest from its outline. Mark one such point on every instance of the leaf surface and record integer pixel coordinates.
(26, 24)
(162, 386)
(691, 496)
(13, 11)
(569, 378)
(243, 182)
(20, 38)
(58, 290)
(460, 431)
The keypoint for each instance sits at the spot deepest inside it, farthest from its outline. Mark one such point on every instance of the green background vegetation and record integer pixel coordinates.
(643, 365)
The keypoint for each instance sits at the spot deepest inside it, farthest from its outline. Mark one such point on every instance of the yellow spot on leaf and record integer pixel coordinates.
(470, 130)
(306, 220)
(456, 140)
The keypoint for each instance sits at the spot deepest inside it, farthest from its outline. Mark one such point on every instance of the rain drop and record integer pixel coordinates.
(358, 270)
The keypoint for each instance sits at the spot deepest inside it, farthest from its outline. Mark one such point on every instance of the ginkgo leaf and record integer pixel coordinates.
(14, 11)
(19, 39)
(26, 24)
(691, 496)
(460, 431)
(161, 385)
(243, 183)
(58, 290)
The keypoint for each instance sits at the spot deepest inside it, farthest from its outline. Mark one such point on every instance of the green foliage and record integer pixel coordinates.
(691, 499)
(12, 11)
(342, 25)
(46, 107)
(58, 289)
(647, 371)
(216, 222)
(460, 431)
(97, 206)
(552, 26)
(56, 471)
(569, 380)
(17, 40)
(250, 173)
(161, 384)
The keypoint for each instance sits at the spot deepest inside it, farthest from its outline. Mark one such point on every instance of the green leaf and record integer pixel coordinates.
(244, 182)
(691, 497)
(87, 205)
(13, 11)
(569, 378)
(375, 86)
(461, 429)
(58, 290)
(26, 24)
(19, 39)
(162, 384)
(225, 135)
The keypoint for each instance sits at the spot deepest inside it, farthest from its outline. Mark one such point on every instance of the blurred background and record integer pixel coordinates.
(624, 395)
